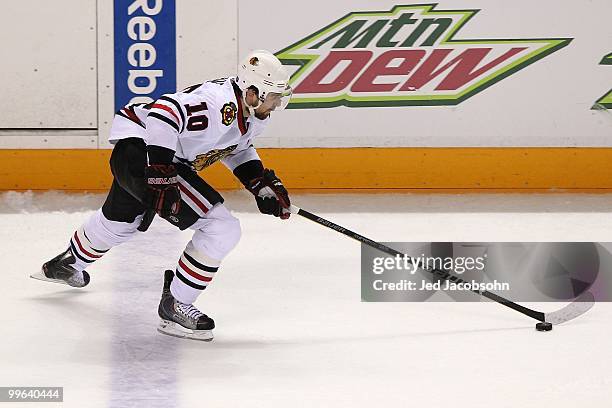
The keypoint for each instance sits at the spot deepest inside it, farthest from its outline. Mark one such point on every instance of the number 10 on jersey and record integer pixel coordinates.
(196, 122)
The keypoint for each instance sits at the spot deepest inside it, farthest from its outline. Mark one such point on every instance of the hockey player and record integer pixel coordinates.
(158, 147)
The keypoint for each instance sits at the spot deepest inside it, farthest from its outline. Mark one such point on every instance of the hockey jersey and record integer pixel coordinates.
(202, 124)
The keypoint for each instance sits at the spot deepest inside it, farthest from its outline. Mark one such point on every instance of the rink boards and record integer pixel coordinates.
(456, 95)
(411, 169)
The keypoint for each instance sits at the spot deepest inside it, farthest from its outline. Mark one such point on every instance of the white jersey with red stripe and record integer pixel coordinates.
(202, 124)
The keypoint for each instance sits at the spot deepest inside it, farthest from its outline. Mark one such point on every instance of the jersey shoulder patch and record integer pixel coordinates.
(223, 102)
(218, 99)
(228, 113)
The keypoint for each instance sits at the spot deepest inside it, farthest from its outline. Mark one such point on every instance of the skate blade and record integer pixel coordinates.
(176, 330)
(41, 276)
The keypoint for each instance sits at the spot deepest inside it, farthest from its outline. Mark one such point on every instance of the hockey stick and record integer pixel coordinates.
(147, 219)
(579, 306)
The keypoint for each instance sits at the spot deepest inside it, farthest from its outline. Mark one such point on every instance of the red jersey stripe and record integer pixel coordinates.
(167, 109)
(132, 115)
(189, 194)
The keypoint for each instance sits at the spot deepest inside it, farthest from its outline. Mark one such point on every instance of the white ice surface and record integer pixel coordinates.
(291, 329)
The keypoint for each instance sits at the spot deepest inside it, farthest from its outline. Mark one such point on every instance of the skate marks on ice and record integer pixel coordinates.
(237, 343)
(144, 368)
(26, 202)
(68, 304)
(12, 202)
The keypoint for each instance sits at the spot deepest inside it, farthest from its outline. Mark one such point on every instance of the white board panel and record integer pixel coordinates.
(48, 70)
(545, 101)
(49, 139)
(207, 40)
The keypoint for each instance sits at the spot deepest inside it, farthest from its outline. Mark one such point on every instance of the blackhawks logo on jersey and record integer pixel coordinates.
(228, 113)
(202, 161)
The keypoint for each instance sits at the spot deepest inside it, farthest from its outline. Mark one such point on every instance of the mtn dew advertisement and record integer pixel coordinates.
(456, 73)
(410, 55)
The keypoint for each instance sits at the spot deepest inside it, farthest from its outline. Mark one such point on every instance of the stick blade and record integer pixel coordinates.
(578, 307)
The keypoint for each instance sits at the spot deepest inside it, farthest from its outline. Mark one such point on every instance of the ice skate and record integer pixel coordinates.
(181, 319)
(58, 270)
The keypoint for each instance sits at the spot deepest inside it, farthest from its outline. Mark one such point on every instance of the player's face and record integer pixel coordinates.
(271, 102)
(251, 98)
(275, 101)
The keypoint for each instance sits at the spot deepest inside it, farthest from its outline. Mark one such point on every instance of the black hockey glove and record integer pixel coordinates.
(162, 194)
(270, 194)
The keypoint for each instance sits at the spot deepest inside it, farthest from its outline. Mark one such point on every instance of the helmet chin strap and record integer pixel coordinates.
(249, 107)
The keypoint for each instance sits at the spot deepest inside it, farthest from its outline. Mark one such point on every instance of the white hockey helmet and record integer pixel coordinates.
(263, 71)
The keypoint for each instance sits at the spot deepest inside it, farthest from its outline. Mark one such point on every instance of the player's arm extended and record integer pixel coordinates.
(270, 194)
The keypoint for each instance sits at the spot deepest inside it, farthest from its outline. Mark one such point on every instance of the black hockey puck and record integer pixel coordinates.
(544, 326)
